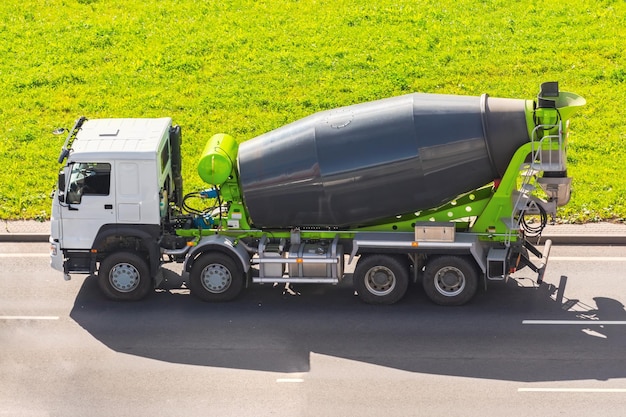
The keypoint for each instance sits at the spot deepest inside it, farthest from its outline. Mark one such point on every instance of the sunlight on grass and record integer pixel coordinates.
(245, 67)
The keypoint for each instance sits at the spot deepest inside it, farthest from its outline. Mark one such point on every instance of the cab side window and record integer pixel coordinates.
(88, 179)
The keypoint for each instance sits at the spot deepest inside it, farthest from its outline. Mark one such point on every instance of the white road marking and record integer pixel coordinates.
(588, 258)
(552, 258)
(289, 380)
(29, 317)
(575, 322)
(575, 390)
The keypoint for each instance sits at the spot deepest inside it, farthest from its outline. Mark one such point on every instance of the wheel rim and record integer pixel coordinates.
(450, 281)
(216, 278)
(124, 277)
(380, 281)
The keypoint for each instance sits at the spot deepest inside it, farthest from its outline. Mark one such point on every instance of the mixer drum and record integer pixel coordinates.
(358, 164)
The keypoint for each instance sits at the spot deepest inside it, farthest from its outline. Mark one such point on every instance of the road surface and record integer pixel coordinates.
(518, 349)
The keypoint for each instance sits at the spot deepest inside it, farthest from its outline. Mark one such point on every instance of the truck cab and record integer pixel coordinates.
(113, 192)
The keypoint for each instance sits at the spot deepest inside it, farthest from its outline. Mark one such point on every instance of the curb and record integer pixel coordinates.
(557, 238)
(571, 239)
(24, 237)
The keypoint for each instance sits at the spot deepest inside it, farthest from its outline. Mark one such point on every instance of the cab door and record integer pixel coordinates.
(89, 202)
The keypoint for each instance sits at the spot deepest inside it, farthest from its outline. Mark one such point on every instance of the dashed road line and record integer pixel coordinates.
(575, 390)
(576, 322)
(289, 380)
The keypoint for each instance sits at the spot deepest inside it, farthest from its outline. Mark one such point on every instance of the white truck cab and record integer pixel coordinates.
(118, 176)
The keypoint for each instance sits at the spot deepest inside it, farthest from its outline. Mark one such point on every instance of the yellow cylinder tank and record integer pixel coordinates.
(218, 158)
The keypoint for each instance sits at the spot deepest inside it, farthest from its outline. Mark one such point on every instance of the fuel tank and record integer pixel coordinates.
(358, 164)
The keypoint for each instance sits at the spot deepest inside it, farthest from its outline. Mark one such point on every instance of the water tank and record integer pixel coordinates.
(358, 164)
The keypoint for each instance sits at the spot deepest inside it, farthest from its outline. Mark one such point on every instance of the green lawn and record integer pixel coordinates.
(245, 67)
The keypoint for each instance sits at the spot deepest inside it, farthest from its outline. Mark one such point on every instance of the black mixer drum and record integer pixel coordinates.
(358, 164)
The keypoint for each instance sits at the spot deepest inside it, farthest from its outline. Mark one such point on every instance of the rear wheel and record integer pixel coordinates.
(381, 279)
(450, 280)
(216, 277)
(124, 276)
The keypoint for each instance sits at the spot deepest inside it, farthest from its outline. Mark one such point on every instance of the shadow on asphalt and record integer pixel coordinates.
(269, 330)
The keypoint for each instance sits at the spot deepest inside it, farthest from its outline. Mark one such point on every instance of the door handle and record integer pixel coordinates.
(108, 206)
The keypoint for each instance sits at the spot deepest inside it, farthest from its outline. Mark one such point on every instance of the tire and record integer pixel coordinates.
(124, 276)
(381, 279)
(450, 280)
(216, 277)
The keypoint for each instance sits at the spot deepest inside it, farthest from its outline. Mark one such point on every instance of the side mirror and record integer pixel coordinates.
(61, 186)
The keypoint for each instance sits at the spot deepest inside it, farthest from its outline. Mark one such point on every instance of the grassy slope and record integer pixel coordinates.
(245, 67)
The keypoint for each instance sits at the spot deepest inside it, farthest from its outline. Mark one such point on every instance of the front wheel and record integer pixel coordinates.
(216, 277)
(124, 276)
(381, 279)
(450, 280)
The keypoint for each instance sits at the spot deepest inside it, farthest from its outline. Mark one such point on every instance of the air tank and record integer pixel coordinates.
(216, 160)
(358, 164)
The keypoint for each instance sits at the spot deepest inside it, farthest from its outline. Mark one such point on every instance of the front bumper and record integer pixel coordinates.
(56, 256)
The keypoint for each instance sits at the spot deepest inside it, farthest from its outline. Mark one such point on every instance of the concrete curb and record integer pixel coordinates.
(575, 239)
(24, 237)
(611, 237)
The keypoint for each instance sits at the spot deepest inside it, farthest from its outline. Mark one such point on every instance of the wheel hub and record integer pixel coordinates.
(124, 277)
(450, 281)
(380, 280)
(216, 278)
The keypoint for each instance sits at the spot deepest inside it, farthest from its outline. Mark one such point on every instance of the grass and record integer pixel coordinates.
(245, 67)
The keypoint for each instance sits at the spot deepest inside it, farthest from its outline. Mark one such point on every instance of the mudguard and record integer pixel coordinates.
(218, 243)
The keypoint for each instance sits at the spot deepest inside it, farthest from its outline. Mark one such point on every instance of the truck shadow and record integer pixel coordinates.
(269, 329)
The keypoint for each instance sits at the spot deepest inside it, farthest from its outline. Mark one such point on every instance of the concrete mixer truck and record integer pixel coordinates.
(429, 188)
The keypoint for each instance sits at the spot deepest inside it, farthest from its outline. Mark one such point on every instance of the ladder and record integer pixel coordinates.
(547, 155)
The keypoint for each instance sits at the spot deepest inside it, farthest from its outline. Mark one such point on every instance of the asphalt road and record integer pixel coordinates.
(518, 349)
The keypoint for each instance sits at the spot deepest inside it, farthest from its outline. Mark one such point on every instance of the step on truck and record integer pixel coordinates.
(445, 190)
